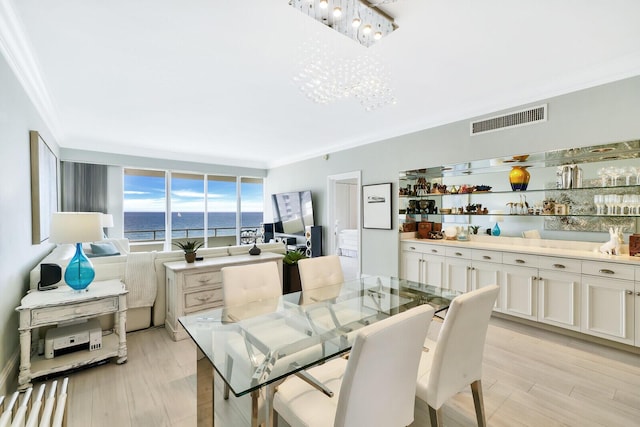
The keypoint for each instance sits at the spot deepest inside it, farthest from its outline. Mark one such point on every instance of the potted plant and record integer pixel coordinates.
(291, 279)
(190, 247)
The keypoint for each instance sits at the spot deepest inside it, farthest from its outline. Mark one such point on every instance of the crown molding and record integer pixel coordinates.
(17, 50)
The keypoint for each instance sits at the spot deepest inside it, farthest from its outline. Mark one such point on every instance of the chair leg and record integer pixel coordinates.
(435, 415)
(478, 402)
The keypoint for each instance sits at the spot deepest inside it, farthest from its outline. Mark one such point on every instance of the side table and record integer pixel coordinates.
(63, 305)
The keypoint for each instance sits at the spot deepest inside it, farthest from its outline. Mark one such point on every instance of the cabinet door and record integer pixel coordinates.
(485, 274)
(433, 270)
(458, 274)
(519, 291)
(637, 315)
(411, 266)
(608, 308)
(559, 299)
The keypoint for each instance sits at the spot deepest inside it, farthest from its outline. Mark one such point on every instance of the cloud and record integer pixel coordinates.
(131, 192)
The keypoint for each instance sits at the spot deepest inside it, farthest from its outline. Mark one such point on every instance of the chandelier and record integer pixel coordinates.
(359, 20)
(325, 78)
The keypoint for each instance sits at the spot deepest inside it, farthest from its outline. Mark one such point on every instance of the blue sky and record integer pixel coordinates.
(147, 194)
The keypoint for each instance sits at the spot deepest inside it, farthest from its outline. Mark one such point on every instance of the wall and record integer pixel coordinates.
(603, 114)
(17, 254)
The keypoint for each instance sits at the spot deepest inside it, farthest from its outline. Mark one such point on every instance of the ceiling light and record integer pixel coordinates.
(347, 17)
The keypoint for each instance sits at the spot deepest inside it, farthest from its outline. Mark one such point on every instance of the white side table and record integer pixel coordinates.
(44, 308)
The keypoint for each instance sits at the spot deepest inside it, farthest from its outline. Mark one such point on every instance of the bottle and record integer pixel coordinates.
(576, 181)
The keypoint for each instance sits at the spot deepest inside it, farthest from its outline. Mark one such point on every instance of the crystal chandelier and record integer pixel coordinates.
(325, 78)
(359, 20)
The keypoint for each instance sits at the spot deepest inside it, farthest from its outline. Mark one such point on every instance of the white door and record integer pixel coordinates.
(412, 266)
(433, 270)
(458, 274)
(607, 308)
(343, 225)
(486, 274)
(519, 291)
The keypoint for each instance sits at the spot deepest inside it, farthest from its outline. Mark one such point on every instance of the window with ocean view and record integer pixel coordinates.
(225, 206)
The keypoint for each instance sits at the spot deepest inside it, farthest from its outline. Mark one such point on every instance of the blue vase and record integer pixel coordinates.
(79, 273)
(496, 230)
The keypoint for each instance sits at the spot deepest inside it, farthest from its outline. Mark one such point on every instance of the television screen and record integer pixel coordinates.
(292, 212)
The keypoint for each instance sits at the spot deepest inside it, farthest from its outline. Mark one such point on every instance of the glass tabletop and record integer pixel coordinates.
(255, 344)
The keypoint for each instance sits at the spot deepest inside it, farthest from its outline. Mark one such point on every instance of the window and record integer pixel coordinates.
(226, 206)
(144, 205)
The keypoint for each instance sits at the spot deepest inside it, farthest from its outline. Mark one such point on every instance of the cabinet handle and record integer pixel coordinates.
(606, 271)
(534, 278)
(486, 257)
(638, 294)
(435, 251)
(628, 292)
(203, 299)
(559, 266)
(520, 261)
(458, 254)
(413, 248)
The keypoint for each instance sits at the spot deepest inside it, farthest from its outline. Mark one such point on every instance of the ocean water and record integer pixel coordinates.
(150, 225)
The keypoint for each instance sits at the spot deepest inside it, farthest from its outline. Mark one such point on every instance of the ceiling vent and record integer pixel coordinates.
(518, 118)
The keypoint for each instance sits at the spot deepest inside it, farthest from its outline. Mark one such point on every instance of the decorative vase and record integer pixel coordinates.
(79, 272)
(496, 230)
(519, 178)
(254, 250)
(190, 257)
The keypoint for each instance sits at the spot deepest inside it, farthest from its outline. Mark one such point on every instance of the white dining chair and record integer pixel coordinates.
(374, 387)
(455, 359)
(319, 272)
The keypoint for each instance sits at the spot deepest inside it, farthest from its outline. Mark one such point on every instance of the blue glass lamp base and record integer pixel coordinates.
(79, 272)
(496, 230)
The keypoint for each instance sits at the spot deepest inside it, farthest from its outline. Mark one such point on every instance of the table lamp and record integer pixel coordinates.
(75, 228)
(497, 217)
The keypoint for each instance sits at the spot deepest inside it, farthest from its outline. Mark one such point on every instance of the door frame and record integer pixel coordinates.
(332, 180)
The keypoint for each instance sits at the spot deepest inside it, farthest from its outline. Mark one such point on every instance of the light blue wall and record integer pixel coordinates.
(608, 113)
(17, 254)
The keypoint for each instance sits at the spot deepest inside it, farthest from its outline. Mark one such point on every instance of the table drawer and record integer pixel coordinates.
(487, 256)
(464, 253)
(197, 280)
(50, 315)
(202, 299)
(520, 259)
(560, 264)
(608, 269)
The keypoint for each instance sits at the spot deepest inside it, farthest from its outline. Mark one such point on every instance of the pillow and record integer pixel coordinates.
(103, 249)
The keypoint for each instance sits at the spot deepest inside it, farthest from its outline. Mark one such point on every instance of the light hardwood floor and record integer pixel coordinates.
(531, 378)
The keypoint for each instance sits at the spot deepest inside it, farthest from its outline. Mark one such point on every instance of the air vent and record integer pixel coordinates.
(518, 118)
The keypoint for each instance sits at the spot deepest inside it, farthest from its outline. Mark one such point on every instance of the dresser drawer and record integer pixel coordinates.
(198, 280)
(487, 256)
(560, 264)
(50, 315)
(520, 259)
(608, 269)
(194, 301)
(464, 253)
(422, 248)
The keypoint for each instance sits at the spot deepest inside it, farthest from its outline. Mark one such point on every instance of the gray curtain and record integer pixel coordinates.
(84, 187)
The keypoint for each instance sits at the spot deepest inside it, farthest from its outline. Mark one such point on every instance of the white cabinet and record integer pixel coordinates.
(519, 291)
(423, 263)
(559, 292)
(608, 308)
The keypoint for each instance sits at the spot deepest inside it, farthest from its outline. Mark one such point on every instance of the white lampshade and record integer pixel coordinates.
(107, 220)
(75, 227)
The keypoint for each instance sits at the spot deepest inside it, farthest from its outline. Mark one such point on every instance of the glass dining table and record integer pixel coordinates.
(257, 345)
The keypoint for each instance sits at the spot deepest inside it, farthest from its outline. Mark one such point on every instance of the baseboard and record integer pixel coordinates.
(9, 374)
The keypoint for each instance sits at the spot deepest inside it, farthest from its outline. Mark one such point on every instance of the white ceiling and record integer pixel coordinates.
(211, 81)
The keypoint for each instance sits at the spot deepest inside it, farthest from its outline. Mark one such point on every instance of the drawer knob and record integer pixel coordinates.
(458, 254)
(203, 299)
(204, 279)
(558, 266)
(486, 257)
(628, 292)
(606, 271)
(413, 248)
(435, 251)
(520, 261)
(638, 294)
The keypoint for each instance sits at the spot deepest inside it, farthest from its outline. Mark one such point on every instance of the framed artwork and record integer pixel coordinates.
(44, 187)
(376, 212)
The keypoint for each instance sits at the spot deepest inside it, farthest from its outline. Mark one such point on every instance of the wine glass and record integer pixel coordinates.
(602, 174)
(627, 173)
(614, 173)
(598, 199)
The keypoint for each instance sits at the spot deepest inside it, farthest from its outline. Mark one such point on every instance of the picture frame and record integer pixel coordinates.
(376, 209)
(44, 187)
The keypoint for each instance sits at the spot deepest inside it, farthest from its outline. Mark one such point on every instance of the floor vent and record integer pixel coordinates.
(518, 118)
